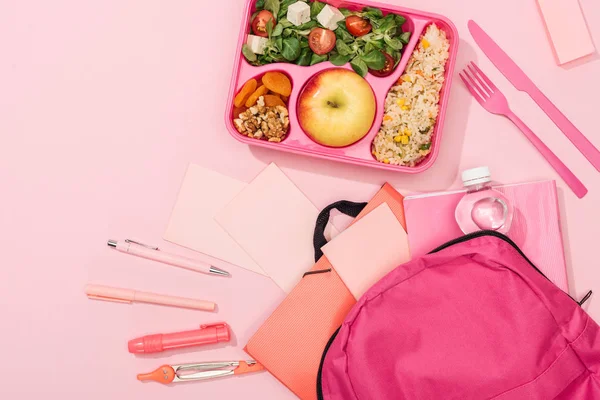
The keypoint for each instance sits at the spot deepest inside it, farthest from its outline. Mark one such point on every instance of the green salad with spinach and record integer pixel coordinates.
(367, 39)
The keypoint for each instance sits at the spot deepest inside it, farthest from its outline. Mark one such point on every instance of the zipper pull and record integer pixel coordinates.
(585, 298)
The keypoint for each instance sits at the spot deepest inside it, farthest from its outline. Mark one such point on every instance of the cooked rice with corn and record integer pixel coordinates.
(411, 107)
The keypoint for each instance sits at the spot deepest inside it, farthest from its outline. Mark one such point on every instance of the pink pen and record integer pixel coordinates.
(207, 334)
(100, 292)
(154, 253)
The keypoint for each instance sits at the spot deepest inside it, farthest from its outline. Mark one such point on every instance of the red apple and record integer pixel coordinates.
(336, 107)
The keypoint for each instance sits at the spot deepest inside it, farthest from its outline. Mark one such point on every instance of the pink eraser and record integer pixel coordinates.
(567, 29)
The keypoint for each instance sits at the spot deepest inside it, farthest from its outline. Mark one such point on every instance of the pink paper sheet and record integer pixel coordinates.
(369, 249)
(274, 223)
(203, 193)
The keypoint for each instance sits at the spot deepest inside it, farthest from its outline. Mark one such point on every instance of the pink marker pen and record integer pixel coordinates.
(207, 334)
(154, 253)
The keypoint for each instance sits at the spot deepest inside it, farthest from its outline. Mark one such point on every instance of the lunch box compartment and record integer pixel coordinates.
(358, 153)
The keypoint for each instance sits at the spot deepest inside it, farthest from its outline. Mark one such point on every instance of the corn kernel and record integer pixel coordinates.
(407, 132)
(387, 118)
(386, 161)
(397, 139)
(407, 78)
(425, 43)
(401, 101)
(405, 139)
(405, 108)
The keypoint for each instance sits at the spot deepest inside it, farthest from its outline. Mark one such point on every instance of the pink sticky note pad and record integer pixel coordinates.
(203, 193)
(274, 223)
(369, 249)
(567, 29)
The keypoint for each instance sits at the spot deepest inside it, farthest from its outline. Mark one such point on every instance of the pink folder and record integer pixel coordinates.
(535, 229)
(368, 250)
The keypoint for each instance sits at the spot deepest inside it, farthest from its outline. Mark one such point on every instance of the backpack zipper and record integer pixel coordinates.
(479, 234)
(508, 240)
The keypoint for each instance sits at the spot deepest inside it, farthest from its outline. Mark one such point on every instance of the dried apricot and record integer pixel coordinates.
(272, 101)
(261, 91)
(248, 88)
(285, 98)
(278, 83)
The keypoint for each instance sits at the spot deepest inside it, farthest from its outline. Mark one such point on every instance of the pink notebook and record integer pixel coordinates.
(535, 229)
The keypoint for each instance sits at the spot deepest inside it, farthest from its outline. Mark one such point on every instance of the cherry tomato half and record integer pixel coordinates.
(357, 25)
(321, 41)
(259, 23)
(387, 69)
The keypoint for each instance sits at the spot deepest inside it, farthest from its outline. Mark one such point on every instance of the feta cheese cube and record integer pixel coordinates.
(257, 44)
(298, 13)
(329, 17)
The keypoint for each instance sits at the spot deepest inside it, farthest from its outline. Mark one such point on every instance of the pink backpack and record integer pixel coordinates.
(475, 319)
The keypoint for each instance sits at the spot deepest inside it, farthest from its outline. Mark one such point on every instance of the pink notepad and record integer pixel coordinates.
(567, 29)
(535, 229)
(369, 249)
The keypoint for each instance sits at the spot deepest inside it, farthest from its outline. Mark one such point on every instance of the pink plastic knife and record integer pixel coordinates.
(517, 77)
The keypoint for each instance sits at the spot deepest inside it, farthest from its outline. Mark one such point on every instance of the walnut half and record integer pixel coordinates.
(260, 122)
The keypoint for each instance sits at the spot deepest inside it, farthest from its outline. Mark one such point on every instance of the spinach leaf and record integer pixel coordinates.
(342, 48)
(372, 13)
(305, 57)
(260, 4)
(305, 32)
(400, 20)
(345, 12)
(374, 59)
(386, 25)
(287, 32)
(304, 43)
(308, 25)
(338, 60)
(376, 43)
(394, 43)
(359, 66)
(247, 52)
(315, 8)
(291, 48)
(342, 33)
(425, 146)
(315, 59)
(394, 53)
(264, 59)
(369, 47)
(284, 22)
(269, 27)
(273, 6)
(277, 31)
(405, 37)
(278, 43)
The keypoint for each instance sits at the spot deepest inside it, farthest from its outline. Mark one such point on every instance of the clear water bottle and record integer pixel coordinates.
(482, 207)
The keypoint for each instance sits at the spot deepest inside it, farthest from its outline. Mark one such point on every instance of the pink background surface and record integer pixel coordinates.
(103, 105)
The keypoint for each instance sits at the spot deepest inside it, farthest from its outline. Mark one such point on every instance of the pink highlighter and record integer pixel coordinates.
(207, 334)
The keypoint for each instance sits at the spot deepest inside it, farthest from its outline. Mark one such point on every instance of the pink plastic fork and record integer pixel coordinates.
(492, 99)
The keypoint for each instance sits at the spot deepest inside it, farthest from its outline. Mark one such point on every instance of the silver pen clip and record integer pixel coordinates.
(142, 244)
